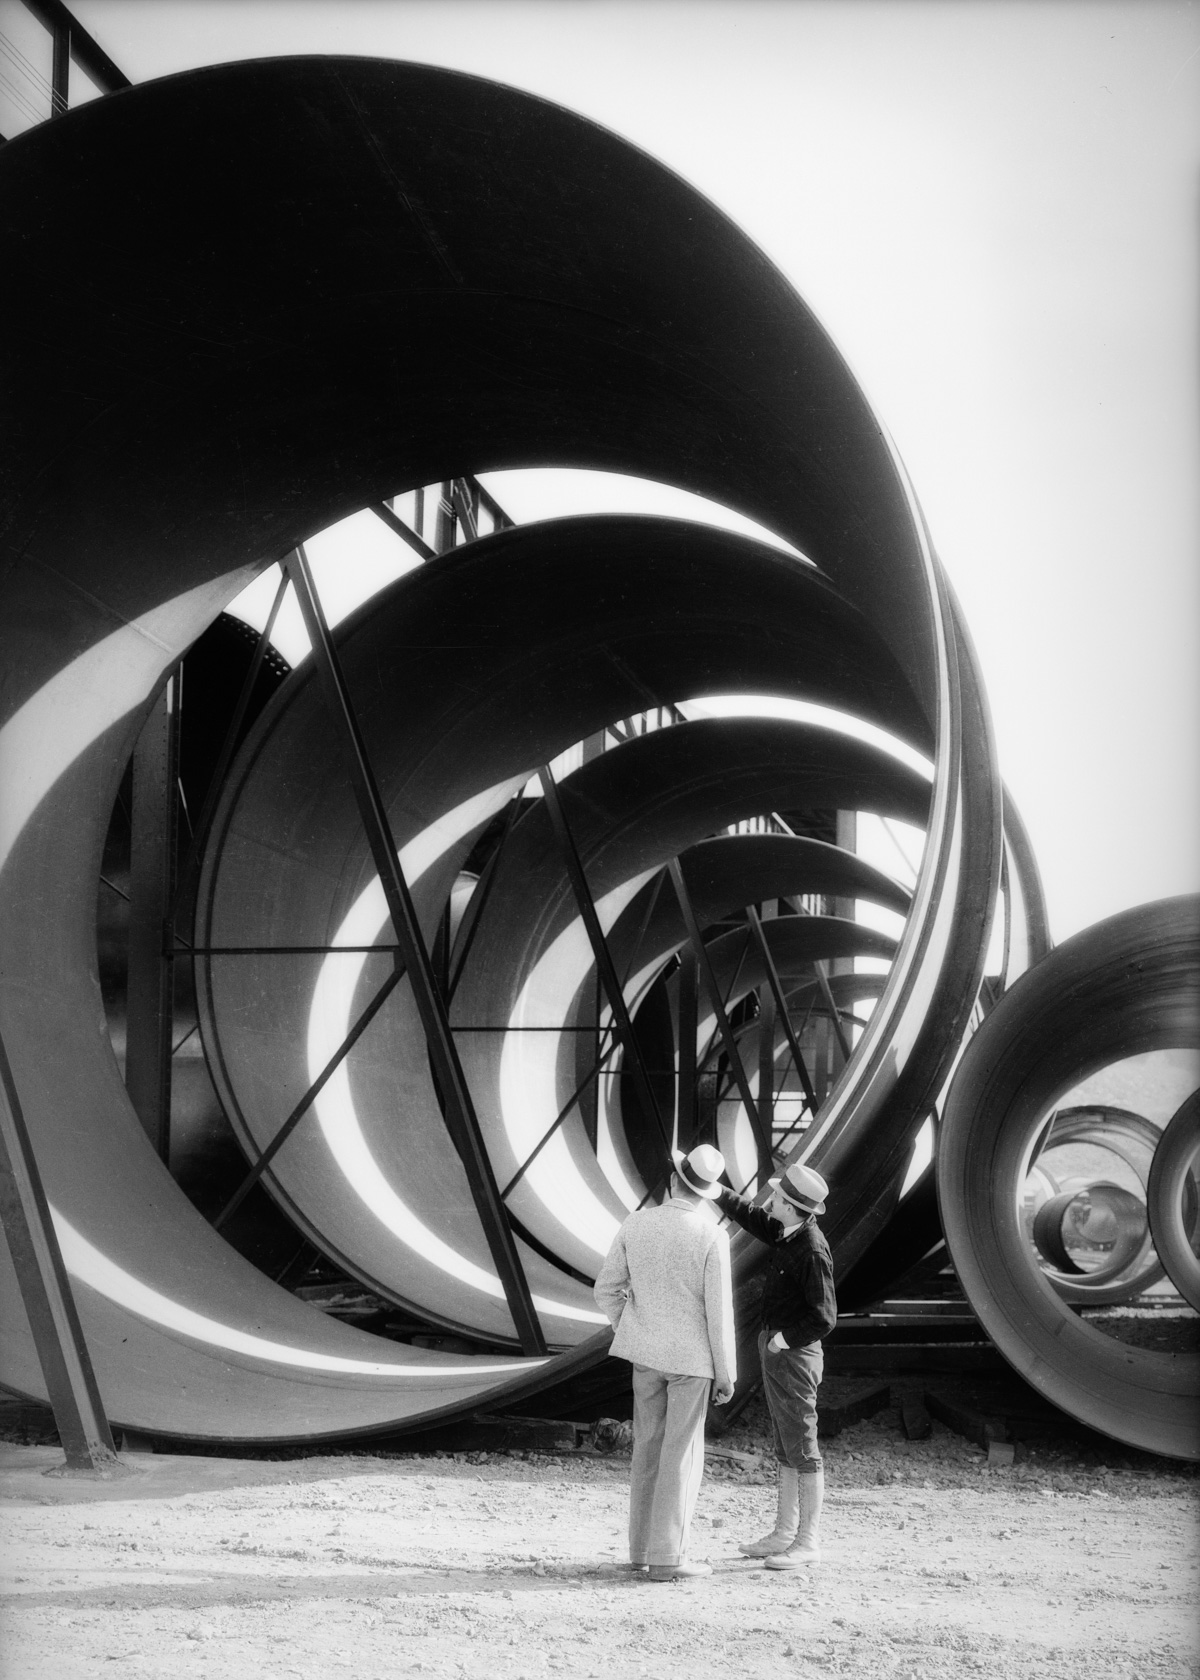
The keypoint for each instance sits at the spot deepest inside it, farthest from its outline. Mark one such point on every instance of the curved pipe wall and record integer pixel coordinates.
(1128, 985)
(372, 276)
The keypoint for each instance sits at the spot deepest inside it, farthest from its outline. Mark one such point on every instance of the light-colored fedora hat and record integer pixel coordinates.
(803, 1187)
(701, 1170)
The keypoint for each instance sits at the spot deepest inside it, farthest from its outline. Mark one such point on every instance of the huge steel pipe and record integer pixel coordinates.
(1128, 985)
(373, 276)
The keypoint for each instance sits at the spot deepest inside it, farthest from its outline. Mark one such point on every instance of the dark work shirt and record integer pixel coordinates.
(798, 1298)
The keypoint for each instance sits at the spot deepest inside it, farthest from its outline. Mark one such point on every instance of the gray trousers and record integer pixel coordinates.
(668, 1463)
(791, 1378)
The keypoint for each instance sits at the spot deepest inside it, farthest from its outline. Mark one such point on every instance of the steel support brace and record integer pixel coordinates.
(728, 1042)
(575, 1098)
(60, 72)
(395, 523)
(457, 1106)
(766, 1059)
(687, 1119)
(310, 1096)
(782, 1008)
(46, 1291)
(604, 963)
(149, 1015)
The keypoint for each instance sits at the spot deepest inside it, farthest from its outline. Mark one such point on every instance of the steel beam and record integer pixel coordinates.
(60, 72)
(396, 524)
(575, 1097)
(457, 1106)
(46, 1291)
(687, 1120)
(604, 963)
(729, 1043)
(310, 1096)
(780, 1002)
(86, 52)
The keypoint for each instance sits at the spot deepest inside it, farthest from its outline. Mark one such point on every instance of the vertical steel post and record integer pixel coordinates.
(457, 1107)
(728, 1042)
(687, 1120)
(46, 1291)
(60, 72)
(766, 1043)
(149, 1013)
(782, 1008)
(604, 963)
(847, 839)
(446, 523)
(766, 1059)
(589, 1000)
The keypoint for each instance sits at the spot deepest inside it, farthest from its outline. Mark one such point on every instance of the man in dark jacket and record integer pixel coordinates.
(798, 1310)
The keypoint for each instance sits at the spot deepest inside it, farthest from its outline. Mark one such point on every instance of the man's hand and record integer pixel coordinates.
(722, 1394)
(777, 1343)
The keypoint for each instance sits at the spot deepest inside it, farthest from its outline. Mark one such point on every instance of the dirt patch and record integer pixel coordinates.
(482, 1564)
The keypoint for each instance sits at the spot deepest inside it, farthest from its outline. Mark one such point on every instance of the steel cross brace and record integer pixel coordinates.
(600, 950)
(310, 1096)
(728, 1041)
(781, 1005)
(457, 1107)
(46, 1291)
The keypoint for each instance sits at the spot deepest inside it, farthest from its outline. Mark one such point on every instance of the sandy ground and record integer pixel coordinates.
(489, 1565)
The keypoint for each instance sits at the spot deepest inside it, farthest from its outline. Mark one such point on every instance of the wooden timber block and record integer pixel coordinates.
(1001, 1453)
(964, 1420)
(863, 1400)
(530, 1434)
(952, 1358)
(915, 1419)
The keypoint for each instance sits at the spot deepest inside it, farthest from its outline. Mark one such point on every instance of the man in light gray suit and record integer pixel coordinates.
(665, 1288)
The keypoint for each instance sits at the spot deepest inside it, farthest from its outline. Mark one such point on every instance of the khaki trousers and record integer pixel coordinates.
(668, 1463)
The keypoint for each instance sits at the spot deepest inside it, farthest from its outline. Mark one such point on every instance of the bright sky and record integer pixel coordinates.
(991, 205)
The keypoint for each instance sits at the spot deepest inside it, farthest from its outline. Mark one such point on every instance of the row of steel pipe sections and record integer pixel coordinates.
(670, 609)
(374, 276)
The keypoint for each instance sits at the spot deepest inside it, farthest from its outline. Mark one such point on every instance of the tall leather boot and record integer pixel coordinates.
(804, 1548)
(787, 1515)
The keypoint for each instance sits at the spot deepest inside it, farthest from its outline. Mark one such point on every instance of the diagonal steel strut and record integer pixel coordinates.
(600, 950)
(45, 1287)
(310, 1096)
(781, 1006)
(457, 1107)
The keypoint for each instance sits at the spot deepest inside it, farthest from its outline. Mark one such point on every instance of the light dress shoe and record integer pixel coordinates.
(678, 1571)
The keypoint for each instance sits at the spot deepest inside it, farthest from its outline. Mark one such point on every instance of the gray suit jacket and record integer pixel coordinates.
(665, 1288)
